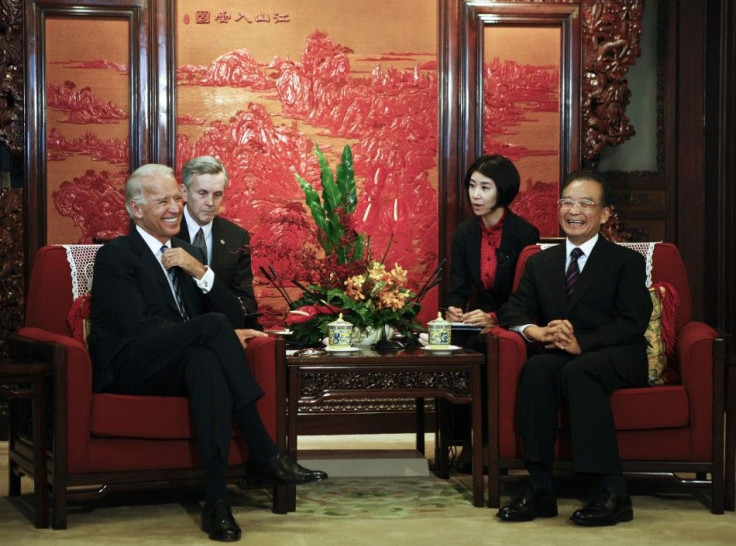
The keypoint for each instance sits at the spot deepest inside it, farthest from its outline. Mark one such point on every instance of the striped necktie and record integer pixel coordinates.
(177, 288)
(573, 271)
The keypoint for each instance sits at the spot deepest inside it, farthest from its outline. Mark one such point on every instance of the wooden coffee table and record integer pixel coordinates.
(410, 373)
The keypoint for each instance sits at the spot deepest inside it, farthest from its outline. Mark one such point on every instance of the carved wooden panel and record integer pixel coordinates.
(316, 384)
(611, 44)
(11, 267)
(11, 74)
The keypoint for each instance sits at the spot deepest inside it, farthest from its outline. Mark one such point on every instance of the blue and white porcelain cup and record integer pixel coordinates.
(340, 333)
(440, 332)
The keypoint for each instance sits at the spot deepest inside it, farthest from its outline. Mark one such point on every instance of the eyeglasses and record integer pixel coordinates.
(584, 204)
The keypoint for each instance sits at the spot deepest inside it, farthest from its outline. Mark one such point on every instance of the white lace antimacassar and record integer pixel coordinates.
(81, 260)
(645, 249)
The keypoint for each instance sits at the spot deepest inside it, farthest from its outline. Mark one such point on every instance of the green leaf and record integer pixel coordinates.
(315, 205)
(339, 198)
(332, 201)
(346, 180)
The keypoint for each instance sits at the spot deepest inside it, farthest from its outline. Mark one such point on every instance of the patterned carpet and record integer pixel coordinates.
(381, 498)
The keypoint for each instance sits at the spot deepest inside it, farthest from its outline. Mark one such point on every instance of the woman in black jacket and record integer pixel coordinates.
(485, 249)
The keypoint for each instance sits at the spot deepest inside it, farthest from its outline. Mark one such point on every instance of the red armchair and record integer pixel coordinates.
(110, 442)
(666, 430)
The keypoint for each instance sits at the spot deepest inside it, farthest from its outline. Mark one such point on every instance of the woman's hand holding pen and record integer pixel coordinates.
(472, 318)
(454, 314)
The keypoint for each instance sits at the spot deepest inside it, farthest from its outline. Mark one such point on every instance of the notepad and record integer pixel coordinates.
(463, 326)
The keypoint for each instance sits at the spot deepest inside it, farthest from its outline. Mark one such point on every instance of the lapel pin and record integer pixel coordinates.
(222, 241)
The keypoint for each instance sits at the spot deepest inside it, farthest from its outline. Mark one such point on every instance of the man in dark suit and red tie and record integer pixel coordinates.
(226, 245)
(164, 324)
(585, 303)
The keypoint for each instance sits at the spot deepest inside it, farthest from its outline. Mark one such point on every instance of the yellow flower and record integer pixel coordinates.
(398, 275)
(392, 298)
(376, 271)
(354, 287)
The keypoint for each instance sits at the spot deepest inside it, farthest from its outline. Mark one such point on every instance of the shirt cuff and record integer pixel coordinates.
(207, 281)
(520, 330)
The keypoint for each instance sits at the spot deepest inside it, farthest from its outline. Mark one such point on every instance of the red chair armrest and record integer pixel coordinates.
(78, 377)
(503, 370)
(261, 356)
(695, 352)
(695, 361)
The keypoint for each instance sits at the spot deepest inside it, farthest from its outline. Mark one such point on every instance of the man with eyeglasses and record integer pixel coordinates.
(584, 303)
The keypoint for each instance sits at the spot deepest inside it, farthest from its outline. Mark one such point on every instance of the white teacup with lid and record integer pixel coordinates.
(340, 332)
(440, 332)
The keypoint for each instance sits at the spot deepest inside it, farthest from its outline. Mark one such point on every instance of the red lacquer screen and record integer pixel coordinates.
(521, 114)
(260, 84)
(88, 127)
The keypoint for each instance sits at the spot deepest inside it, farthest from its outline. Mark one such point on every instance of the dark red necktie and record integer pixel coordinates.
(573, 271)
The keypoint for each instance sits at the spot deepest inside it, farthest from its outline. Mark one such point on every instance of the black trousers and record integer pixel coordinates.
(201, 359)
(460, 415)
(583, 383)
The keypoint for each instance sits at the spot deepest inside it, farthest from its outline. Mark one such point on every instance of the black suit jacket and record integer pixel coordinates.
(131, 297)
(466, 286)
(609, 309)
(231, 259)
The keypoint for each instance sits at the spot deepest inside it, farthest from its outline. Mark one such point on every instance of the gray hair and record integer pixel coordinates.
(136, 181)
(204, 164)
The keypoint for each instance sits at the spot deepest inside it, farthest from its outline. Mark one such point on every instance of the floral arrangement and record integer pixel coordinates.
(375, 298)
(345, 279)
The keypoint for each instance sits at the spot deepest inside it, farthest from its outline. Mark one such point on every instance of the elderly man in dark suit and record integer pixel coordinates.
(586, 304)
(226, 245)
(164, 324)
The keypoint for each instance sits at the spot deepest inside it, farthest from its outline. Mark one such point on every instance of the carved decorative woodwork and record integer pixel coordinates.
(11, 268)
(365, 406)
(11, 75)
(611, 44)
(316, 383)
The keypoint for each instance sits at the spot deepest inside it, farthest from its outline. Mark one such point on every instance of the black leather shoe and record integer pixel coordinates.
(280, 470)
(534, 503)
(606, 507)
(218, 522)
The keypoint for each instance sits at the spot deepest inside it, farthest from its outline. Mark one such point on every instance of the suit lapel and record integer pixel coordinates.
(218, 245)
(556, 274)
(472, 248)
(189, 290)
(148, 259)
(184, 231)
(598, 261)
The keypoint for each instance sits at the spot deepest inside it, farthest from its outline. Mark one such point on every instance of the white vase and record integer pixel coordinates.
(370, 336)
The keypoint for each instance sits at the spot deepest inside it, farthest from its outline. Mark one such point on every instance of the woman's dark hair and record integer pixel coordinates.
(593, 176)
(503, 173)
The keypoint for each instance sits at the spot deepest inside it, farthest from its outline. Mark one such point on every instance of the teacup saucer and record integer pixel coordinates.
(441, 349)
(341, 350)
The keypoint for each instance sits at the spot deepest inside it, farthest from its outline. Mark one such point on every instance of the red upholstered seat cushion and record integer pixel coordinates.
(124, 415)
(647, 408)
(665, 406)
